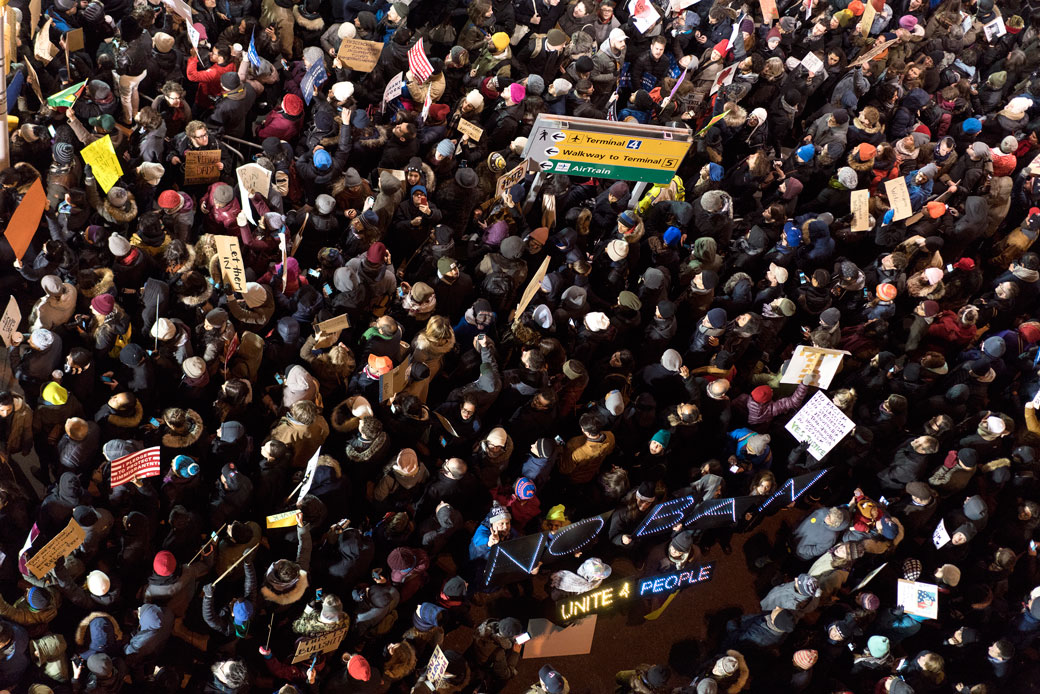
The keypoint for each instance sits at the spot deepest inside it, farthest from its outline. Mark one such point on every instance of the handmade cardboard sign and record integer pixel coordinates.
(323, 643)
(393, 382)
(551, 641)
(61, 545)
(473, 132)
(532, 287)
(511, 178)
(10, 321)
(860, 204)
(359, 55)
(26, 219)
(74, 40)
(867, 20)
(143, 463)
(769, 12)
(333, 324)
(898, 198)
(200, 166)
(232, 266)
(820, 424)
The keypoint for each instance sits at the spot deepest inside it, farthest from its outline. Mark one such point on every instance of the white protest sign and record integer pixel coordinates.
(438, 666)
(193, 36)
(10, 321)
(724, 78)
(643, 14)
(308, 475)
(940, 537)
(812, 63)
(821, 363)
(820, 424)
(918, 599)
(995, 29)
(393, 89)
(252, 178)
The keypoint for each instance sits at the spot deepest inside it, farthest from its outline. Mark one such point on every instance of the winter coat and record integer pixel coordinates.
(175, 592)
(813, 537)
(154, 628)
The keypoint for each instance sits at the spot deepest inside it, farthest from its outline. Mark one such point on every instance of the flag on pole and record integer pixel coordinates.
(418, 63)
(713, 121)
(254, 57)
(66, 97)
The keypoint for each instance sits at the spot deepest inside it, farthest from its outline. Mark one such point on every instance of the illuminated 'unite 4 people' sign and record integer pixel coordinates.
(606, 597)
(516, 559)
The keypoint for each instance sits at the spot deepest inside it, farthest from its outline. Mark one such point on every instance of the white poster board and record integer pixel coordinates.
(812, 63)
(820, 424)
(821, 363)
(644, 15)
(941, 536)
(918, 599)
(393, 89)
(252, 178)
(995, 29)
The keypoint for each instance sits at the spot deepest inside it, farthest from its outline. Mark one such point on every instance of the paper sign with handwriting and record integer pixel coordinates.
(200, 166)
(103, 161)
(232, 266)
(860, 203)
(10, 321)
(820, 424)
(359, 55)
(471, 131)
(61, 545)
(898, 198)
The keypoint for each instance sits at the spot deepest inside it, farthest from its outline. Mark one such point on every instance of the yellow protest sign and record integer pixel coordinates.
(103, 160)
(359, 55)
(283, 520)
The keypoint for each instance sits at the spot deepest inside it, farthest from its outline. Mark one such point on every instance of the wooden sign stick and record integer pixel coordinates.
(232, 567)
(206, 544)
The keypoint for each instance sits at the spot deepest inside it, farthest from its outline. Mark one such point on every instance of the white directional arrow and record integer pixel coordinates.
(546, 165)
(552, 151)
(558, 136)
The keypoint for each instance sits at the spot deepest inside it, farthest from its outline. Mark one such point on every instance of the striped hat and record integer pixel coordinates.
(524, 489)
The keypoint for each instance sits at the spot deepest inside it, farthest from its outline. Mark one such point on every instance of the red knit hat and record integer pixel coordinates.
(1030, 331)
(292, 105)
(376, 253)
(722, 47)
(358, 668)
(762, 394)
(170, 200)
(103, 303)
(164, 563)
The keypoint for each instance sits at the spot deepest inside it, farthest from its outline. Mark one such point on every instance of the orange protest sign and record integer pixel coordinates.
(26, 219)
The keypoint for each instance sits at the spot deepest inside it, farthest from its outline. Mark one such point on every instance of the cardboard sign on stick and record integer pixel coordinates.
(359, 55)
(200, 166)
(60, 546)
(26, 219)
(232, 266)
(860, 204)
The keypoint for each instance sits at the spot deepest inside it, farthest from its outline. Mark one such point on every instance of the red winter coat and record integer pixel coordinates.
(221, 220)
(948, 328)
(208, 79)
(279, 125)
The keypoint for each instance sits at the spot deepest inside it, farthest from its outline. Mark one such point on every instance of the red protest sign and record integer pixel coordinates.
(136, 466)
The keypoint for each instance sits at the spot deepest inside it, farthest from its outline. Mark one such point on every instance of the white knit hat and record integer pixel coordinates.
(98, 583)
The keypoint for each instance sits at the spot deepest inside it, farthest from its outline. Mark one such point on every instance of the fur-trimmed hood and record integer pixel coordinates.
(401, 662)
(289, 597)
(83, 629)
(127, 421)
(195, 430)
(124, 215)
(94, 282)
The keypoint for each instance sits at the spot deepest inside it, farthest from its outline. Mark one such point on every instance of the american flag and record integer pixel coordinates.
(418, 62)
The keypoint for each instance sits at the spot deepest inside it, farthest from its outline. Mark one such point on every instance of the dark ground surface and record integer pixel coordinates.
(679, 637)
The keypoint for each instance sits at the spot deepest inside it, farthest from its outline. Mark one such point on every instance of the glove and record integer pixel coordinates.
(265, 652)
(807, 379)
(207, 590)
(88, 171)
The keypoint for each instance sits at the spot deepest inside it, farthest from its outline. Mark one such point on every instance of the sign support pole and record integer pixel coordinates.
(637, 193)
(5, 156)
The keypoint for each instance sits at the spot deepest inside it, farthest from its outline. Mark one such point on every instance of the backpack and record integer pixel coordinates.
(121, 342)
(497, 287)
(539, 41)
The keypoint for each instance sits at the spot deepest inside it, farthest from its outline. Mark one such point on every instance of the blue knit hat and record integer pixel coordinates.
(185, 466)
(445, 148)
(524, 489)
(242, 612)
(628, 218)
(663, 437)
(715, 172)
(322, 159)
(806, 152)
(427, 616)
(971, 126)
(793, 235)
(38, 599)
(672, 236)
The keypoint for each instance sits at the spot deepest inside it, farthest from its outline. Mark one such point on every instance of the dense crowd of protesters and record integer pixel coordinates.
(646, 367)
